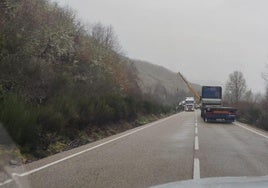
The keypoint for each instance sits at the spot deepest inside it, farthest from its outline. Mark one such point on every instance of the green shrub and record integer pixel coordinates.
(133, 106)
(85, 111)
(50, 119)
(248, 112)
(19, 119)
(262, 121)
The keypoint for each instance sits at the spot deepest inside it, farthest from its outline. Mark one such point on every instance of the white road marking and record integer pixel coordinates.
(196, 174)
(6, 182)
(249, 129)
(84, 151)
(196, 144)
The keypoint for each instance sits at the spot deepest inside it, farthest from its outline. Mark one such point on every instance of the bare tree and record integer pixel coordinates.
(248, 96)
(105, 36)
(265, 78)
(235, 87)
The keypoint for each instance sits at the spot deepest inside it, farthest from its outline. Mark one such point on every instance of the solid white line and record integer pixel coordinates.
(6, 182)
(242, 126)
(196, 130)
(196, 144)
(89, 149)
(196, 174)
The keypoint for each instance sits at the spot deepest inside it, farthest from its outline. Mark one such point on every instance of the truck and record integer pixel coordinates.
(189, 104)
(212, 108)
(211, 103)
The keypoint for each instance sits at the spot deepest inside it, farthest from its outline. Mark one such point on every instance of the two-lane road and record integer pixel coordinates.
(157, 153)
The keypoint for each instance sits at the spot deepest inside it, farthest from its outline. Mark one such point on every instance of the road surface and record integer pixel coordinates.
(179, 147)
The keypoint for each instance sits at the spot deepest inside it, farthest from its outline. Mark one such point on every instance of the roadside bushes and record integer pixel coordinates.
(19, 119)
(58, 79)
(113, 108)
(263, 119)
(253, 113)
(248, 112)
(33, 125)
(50, 119)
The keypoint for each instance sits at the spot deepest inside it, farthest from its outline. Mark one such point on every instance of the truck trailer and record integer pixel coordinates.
(212, 108)
(211, 103)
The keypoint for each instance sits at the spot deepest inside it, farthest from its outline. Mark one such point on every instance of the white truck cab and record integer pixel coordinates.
(189, 104)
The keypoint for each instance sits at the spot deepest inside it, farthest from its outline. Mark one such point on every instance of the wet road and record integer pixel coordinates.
(179, 147)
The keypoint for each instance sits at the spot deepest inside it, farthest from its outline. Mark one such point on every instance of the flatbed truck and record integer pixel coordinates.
(211, 103)
(212, 108)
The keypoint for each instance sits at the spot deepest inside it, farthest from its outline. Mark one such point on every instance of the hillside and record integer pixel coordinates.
(160, 83)
(62, 85)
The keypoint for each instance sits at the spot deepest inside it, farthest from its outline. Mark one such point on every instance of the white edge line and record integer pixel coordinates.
(6, 182)
(196, 173)
(86, 150)
(242, 126)
(196, 130)
(196, 144)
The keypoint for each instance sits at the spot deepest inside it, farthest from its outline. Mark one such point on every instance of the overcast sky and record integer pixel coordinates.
(204, 39)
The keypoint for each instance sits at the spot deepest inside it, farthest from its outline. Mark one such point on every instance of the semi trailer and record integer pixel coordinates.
(211, 103)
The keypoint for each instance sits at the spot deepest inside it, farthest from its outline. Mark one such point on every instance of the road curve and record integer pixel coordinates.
(176, 148)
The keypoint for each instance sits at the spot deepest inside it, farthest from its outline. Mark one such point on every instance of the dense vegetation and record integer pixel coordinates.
(60, 82)
(254, 111)
(252, 108)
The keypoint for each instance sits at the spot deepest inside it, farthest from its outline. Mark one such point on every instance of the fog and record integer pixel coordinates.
(204, 39)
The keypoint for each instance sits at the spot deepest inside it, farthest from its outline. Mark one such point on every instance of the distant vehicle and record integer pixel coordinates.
(189, 104)
(180, 106)
(211, 103)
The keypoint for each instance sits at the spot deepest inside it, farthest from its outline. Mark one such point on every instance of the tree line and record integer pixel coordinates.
(252, 108)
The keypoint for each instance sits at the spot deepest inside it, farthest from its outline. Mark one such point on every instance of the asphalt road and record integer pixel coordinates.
(179, 147)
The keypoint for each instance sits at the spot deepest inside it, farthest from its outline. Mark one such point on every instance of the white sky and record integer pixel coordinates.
(204, 39)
